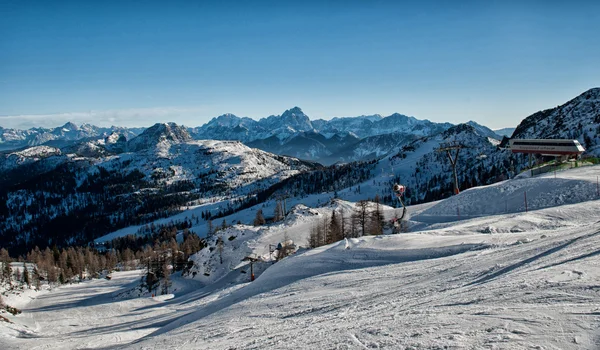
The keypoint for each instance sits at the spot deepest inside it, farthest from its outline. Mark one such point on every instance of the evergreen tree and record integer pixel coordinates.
(220, 248)
(166, 278)
(36, 278)
(361, 216)
(26, 275)
(210, 229)
(259, 220)
(278, 213)
(313, 238)
(343, 232)
(377, 221)
(335, 232)
(6, 269)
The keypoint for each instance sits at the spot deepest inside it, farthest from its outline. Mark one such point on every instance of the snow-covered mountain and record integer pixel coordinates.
(59, 136)
(427, 172)
(162, 171)
(291, 133)
(578, 119)
(358, 126)
(160, 137)
(294, 120)
(13, 160)
(231, 127)
(326, 141)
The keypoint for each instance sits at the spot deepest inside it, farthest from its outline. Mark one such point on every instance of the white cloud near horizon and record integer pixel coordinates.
(133, 117)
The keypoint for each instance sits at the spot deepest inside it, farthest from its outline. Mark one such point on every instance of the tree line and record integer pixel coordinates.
(366, 219)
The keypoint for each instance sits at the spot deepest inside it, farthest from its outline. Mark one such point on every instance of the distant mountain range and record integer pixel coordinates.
(292, 133)
(59, 136)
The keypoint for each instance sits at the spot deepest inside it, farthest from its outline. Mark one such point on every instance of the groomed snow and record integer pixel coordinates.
(485, 280)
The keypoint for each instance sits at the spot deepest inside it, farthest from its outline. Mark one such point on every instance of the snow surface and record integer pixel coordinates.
(490, 279)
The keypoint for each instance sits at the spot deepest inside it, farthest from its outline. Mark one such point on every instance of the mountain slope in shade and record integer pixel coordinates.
(577, 119)
(373, 147)
(307, 145)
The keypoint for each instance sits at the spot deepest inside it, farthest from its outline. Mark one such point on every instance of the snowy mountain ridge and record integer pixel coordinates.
(577, 119)
(295, 121)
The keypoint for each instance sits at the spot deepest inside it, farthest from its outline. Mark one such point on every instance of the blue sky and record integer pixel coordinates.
(134, 63)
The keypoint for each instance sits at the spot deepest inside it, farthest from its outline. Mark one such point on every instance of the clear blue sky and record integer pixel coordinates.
(135, 63)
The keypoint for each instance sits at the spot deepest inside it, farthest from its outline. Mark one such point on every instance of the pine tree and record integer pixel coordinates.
(220, 248)
(377, 220)
(342, 224)
(361, 216)
(6, 269)
(323, 230)
(166, 278)
(313, 239)
(210, 229)
(259, 220)
(36, 278)
(278, 213)
(26, 275)
(335, 232)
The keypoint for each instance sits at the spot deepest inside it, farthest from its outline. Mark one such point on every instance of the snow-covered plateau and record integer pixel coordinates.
(494, 276)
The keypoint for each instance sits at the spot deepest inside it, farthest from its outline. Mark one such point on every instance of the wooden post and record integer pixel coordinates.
(526, 201)
(453, 159)
(251, 271)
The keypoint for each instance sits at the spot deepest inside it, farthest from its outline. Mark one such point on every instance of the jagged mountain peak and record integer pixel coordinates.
(458, 129)
(293, 111)
(290, 121)
(70, 126)
(170, 131)
(159, 133)
(227, 119)
(398, 115)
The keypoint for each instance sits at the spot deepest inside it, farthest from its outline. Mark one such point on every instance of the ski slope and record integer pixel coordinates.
(491, 279)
